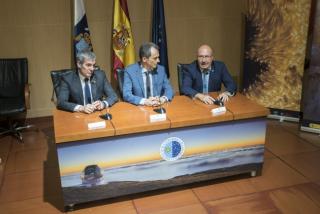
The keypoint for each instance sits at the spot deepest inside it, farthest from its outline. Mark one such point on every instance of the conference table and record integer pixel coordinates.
(140, 150)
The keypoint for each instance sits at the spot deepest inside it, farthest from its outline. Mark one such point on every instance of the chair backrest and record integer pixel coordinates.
(13, 80)
(56, 77)
(120, 76)
(180, 69)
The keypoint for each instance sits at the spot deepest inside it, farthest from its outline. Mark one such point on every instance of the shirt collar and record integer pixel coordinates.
(209, 69)
(143, 70)
(81, 77)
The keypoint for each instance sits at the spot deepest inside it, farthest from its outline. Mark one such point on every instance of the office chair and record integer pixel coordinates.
(180, 69)
(14, 96)
(56, 77)
(120, 75)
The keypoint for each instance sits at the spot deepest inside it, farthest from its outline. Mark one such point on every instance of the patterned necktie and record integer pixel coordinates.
(148, 85)
(87, 95)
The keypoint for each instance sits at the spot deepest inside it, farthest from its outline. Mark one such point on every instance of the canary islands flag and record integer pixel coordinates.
(81, 33)
(122, 38)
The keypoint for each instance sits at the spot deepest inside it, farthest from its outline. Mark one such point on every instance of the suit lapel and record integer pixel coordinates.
(78, 87)
(199, 74)
(211, 77)
(140, 80)
(94, 89)
(210, 83)
(154, 75)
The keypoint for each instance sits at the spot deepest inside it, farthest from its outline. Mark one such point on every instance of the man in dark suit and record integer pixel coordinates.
(206, 75)
(87, 89)
(146, 82)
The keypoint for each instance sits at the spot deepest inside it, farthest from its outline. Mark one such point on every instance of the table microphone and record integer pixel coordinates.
(106, 116)
(218, 102)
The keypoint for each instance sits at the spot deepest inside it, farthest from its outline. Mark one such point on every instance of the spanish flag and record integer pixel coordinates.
(122, 38)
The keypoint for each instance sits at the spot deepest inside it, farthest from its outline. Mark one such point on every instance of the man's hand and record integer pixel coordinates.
(225, 96)
(163, 100)
(205, 98)
(98, 105)
(89, 108)
(152, 101)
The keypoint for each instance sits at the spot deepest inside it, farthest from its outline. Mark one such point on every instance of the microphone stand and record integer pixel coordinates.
(107, 115)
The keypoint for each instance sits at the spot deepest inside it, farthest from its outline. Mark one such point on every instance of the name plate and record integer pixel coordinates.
(97, 125)
(218, 111)
(157, 117)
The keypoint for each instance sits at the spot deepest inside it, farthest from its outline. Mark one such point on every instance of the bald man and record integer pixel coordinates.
(207, 75)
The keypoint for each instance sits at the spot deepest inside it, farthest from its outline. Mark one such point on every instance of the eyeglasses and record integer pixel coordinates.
(204, 57)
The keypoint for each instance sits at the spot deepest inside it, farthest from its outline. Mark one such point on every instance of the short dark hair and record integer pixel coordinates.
(83, 55)
(145, 49)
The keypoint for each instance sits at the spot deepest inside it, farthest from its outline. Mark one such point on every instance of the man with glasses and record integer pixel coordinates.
(86, 89)
(206, 75)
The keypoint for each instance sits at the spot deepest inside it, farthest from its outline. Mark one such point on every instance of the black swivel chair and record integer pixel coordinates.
(180, 69)
(14, 96)
(120, 76)
(56, 77)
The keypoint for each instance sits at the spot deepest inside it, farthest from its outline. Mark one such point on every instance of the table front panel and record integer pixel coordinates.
(147, 161)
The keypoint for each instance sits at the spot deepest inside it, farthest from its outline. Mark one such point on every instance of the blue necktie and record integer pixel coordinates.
(205, 82)
(87, 94)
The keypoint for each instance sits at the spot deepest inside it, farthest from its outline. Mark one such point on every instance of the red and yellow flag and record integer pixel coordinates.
(122, 38)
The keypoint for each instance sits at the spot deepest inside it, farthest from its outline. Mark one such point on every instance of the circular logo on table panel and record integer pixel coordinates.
(172, 149)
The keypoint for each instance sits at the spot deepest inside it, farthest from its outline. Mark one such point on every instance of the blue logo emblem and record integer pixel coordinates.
(172, 149)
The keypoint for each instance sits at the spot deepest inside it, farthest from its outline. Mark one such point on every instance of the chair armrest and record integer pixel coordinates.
(27, 95)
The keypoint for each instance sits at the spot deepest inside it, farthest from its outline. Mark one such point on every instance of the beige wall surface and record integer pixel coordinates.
(41, 30)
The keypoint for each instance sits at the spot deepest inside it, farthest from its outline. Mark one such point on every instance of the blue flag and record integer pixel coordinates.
(81, 33)
(159, 32)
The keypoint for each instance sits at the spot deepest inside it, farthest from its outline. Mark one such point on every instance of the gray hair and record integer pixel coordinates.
(145, 49)
(85, 55)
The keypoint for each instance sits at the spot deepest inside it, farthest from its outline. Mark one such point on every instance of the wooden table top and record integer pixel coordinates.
(183, 112)
(128, 118)
(243, 108)
(74, 126)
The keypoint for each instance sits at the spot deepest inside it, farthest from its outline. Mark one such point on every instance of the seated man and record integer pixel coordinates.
(85, 90)
(206, 75)
(146, 82)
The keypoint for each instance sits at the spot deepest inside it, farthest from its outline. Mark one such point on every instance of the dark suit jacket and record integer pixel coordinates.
(133, 87)
(192, 79)
(71, 94)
